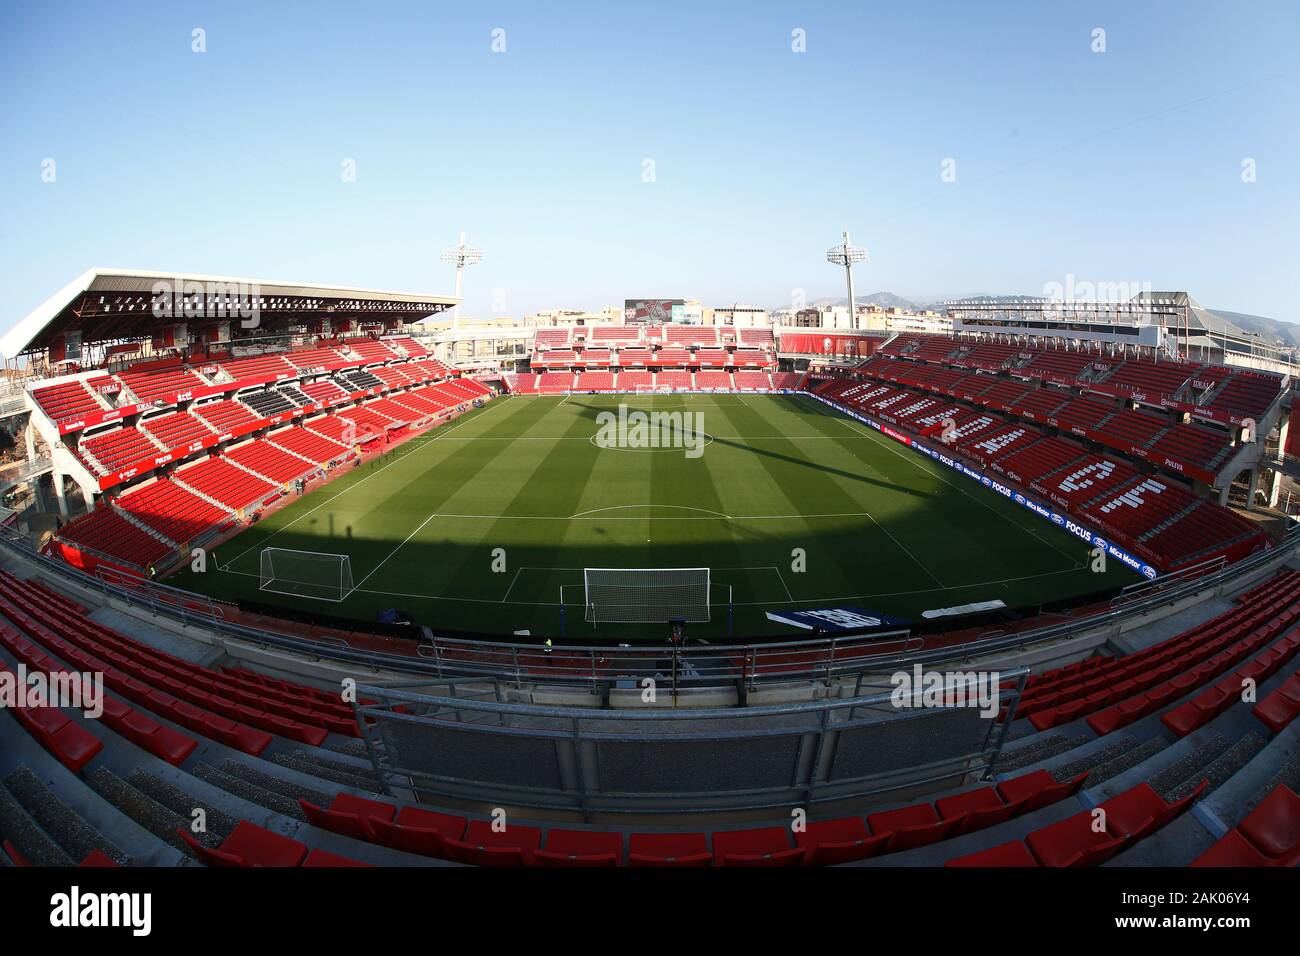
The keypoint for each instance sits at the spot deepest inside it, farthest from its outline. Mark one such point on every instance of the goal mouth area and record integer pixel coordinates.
(646, 595)
(315, 575)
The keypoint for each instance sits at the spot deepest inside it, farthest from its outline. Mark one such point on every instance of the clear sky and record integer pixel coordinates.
(1117, 166)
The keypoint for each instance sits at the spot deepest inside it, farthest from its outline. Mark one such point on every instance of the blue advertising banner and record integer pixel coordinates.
(835, 620)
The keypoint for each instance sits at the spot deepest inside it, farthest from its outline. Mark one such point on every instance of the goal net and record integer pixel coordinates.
(646, 595)
(309, 574)
(653, 390)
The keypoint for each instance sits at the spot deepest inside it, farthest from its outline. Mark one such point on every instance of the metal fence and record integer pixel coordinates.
(666, 761)
(605, 669)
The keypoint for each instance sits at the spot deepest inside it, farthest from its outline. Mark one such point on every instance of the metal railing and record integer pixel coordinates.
(604, 667)
(665, 760)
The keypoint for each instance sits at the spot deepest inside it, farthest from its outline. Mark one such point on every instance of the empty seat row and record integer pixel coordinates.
(1086, 838)
(222, 481)
(119, 448)
(819, 843)
(173, 512)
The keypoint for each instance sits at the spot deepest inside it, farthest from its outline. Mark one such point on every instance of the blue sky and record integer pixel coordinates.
(1122, 166)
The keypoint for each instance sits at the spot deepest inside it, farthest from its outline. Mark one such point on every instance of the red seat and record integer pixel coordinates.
(1233, 850)
(1005, 854)
(1276, 711)
(346, 824)
(1039, 788)
(249, 845)
(1274, 825)
(484, 846)
(1073, 842)
(11, 851)
(890, 821)
(447, 826)
(764, 846)
(363, 807)
(1140, 810)
(172, 745)
(980, 808)
(669, 850)
(580, 848)
(426, 842)
(72, 744)
(828, 842)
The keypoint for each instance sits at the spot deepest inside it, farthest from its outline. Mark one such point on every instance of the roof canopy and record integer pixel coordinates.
(113, 305)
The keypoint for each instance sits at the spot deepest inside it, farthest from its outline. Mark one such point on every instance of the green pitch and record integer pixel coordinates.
(484, 523)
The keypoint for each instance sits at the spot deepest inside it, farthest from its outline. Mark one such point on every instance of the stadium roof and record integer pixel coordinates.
(110, 305)
(1198, 317)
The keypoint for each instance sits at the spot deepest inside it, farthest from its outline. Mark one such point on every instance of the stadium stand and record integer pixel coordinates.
(111, 450)
(630, 381)
(749, 379)
(160, 385)
(359, 380)
(554, 383)
(176, 429)
(225, 415)
(337, 429)
(674, 378)
(267, 402)
(218, 480)
(258, 368)
(369, 350)
(323, 390)
(69, 401)
(171, 511)
(106, 532)
(265, 459)
(594, 381)
(713, 379)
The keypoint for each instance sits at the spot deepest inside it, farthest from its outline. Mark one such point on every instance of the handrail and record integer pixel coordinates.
(597, 665)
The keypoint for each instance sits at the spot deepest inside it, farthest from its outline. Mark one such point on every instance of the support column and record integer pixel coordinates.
(59, 496)
(29, 435)
(1274, 486)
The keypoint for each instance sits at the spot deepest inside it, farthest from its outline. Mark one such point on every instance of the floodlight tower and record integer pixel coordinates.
(460, 256)
(845, 254)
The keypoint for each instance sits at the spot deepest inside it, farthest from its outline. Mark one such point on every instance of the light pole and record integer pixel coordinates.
(845, 255)
(460, 256)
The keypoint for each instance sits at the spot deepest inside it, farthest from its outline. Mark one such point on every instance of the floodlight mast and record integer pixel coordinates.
(845, 255)
(460, 256)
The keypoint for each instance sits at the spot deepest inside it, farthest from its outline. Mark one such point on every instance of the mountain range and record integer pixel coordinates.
(1281, 332)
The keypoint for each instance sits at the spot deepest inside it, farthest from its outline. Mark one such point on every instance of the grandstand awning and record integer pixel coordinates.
(115, 305)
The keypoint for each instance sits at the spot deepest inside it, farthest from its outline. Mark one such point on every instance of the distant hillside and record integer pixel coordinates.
(886, 300)
(1272, 330)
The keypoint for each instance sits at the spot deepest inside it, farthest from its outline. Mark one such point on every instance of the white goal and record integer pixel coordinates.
(309, 574)
(652, 390)
(646, 595)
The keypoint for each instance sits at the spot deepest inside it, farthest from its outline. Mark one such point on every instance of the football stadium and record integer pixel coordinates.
(303, 573)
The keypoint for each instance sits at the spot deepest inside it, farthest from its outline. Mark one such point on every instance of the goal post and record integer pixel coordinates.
(645, 595)
(317, 575)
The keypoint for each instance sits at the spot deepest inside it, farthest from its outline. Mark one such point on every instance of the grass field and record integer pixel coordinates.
(881, 527)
